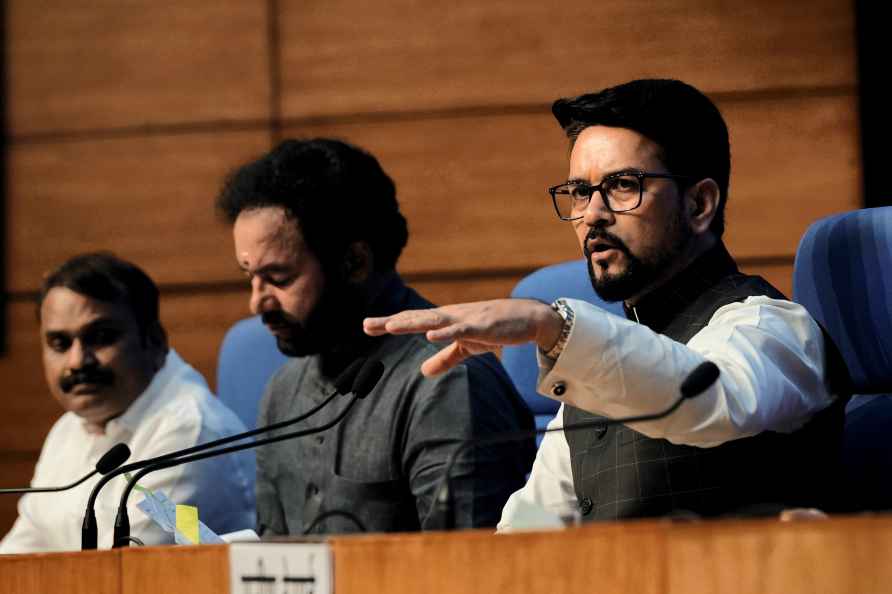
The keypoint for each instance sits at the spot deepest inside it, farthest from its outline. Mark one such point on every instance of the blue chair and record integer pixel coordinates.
(248, 359)
(843, 276)
(567, 279)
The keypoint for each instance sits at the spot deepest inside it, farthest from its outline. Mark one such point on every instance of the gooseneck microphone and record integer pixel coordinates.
(110, 460)
(365, 382)
(89, 531)
(441, 515)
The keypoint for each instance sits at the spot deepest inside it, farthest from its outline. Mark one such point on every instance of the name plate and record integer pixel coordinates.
(289, 568)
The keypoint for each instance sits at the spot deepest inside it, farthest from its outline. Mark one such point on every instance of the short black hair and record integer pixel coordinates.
(336, 192)
(686, 125)
(106, 277)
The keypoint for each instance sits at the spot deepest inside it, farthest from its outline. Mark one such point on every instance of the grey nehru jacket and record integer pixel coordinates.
(376, 464)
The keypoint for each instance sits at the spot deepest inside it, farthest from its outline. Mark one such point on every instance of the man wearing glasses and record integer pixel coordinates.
(645, 195)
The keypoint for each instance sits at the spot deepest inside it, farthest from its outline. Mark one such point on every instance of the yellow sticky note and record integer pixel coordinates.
(187, 522)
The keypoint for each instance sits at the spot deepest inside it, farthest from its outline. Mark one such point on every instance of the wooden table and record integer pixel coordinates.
(847, 554)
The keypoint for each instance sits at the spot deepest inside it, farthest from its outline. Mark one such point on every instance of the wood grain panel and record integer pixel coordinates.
(734, 557)
(28, 410)
(478, 561)
(793, 162)
(149, 570)
(113, 63)
(778, 274)
(757, 557)
(197, 323)
(346, 56)
(149, 199)
(473, 188)
(460, 290)
(84, 572)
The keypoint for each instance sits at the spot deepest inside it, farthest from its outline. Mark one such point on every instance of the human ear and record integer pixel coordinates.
(702, 202)
(358, 262)
(156, 341)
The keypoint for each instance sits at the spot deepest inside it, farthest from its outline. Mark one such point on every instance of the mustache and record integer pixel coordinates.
(90, 375)
(600, 234)
(275, 318)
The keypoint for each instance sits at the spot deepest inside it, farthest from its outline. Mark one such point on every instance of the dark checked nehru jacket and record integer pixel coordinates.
(620, 473)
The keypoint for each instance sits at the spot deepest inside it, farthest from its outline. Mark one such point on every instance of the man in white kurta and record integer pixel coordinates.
(107, 362)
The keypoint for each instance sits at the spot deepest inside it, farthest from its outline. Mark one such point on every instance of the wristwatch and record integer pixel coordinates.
(560, 306)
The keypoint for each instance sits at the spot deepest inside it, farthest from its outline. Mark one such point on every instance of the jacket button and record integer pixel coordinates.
(586, 505)
(559, 389)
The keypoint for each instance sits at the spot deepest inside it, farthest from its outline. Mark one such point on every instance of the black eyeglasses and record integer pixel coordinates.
(621, 192)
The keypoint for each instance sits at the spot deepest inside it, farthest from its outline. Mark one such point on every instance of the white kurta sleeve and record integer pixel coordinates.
(770, 353)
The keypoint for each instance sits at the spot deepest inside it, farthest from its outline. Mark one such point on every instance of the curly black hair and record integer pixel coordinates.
(336, 192)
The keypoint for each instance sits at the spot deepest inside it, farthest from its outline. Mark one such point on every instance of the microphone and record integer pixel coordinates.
(89, 530)
(441, 515)
(110, 460)
(365, 381)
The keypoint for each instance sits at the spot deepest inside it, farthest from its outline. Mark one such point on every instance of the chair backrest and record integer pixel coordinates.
(843, 276)
(567, 279)
(248, 359)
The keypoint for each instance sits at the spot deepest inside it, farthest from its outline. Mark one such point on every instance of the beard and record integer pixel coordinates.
(337, 314)
(641, 272)
(297, 341)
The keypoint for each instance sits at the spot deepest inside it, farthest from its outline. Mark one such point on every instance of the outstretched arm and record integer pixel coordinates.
(473, 328)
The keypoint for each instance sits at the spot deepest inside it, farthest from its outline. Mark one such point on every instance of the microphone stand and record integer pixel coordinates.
(366, 380)
(122, 521)
(441, 515)
(110, 460)
(89, 529)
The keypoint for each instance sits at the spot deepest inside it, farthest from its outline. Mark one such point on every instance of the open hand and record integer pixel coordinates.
(473, 328)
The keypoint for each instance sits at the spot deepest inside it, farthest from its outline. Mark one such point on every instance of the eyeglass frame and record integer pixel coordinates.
(641, 175)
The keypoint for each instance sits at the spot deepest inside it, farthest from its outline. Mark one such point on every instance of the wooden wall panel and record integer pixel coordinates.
(28, 409)
(340, 56)
(149, 199)
(793, 161)
(779, 274)
(473, 188)
(197, 322)
(114, 63)
(460, 290)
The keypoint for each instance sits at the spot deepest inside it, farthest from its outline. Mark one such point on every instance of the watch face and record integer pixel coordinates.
(563, 310)
(561, 307)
